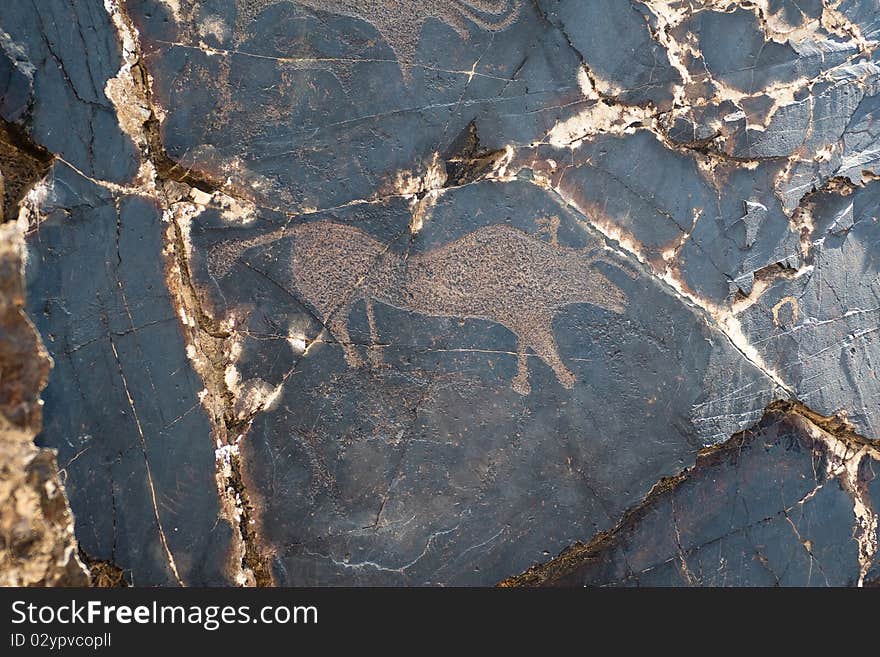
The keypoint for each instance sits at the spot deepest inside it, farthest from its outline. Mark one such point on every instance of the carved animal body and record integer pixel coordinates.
(400, 21)
(496, 273)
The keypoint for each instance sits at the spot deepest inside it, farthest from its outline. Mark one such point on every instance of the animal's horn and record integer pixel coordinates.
(498, 15)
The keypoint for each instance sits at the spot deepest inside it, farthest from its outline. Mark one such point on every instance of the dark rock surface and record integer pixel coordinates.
(37, 544)
(785, 503)
(123, 395)
(409, 293)
(438, 417)
(56, 59)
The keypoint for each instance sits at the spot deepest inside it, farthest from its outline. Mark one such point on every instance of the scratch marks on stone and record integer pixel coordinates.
(400, 22)
(753, 118)
(495, 273)
(149, 473)
(401, 569)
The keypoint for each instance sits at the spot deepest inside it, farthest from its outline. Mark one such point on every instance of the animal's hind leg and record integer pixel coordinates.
(337, 324)
(374, 352)
(520, 382)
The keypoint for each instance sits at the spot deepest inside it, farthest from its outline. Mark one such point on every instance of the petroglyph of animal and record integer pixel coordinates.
(496, 273)
(400, 21)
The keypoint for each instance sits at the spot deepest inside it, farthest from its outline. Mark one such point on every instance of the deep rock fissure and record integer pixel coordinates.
(172, 186)
(841, 445)
(167, 184)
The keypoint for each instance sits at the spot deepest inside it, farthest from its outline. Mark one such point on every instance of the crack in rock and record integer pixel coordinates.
(396, 296)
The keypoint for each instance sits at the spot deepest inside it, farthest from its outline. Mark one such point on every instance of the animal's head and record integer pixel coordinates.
(606, 293)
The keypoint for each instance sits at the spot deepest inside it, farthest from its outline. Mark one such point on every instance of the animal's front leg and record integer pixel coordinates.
(539, 336)
(520, 382)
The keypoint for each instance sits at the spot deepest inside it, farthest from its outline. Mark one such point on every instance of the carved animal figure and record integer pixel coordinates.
(496, 273)
(400, 21)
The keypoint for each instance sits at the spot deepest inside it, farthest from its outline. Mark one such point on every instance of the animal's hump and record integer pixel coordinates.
(330, 237)
(498, 232)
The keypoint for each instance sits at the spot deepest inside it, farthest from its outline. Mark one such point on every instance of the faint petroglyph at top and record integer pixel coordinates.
(399, 21)
(496, 273)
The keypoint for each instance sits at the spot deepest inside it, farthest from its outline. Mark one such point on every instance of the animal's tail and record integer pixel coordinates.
(222, 256)
(492, 15)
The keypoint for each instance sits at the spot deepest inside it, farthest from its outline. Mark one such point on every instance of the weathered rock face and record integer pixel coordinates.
(409, 293)
(123, 394)
(37, 545)
(787, 503)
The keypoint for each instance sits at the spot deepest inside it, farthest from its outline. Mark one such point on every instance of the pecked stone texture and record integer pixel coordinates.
(358, 436)
(422, 293)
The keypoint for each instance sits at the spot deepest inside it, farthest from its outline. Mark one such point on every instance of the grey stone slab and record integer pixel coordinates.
(765, 509)
(456, 284)
(122, 405)
(61, 56)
